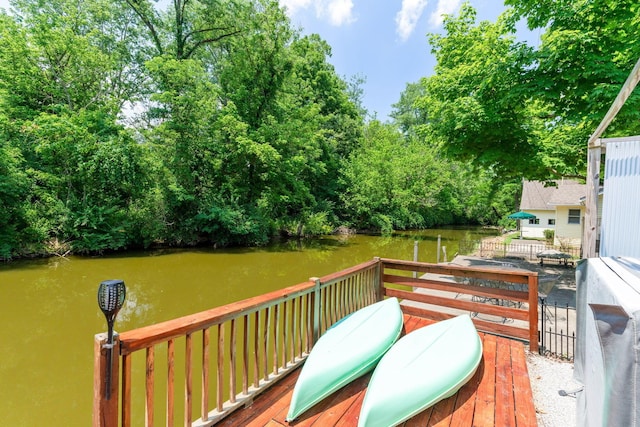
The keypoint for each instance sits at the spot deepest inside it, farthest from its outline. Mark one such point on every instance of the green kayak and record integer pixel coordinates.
(422, 368)
(348, 350)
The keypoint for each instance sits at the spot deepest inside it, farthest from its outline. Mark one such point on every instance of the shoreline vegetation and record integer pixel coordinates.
(55, 248)
(125, 126)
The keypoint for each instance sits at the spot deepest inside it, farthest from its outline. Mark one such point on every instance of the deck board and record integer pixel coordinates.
(490, 398)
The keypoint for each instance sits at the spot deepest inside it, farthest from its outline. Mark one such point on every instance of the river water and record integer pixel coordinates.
(49, 309)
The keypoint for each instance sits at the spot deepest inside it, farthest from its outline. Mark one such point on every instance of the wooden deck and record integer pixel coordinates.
(498, 395)
(246, 353)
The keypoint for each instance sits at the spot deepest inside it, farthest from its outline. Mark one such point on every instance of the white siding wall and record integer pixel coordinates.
(536, 231)
(568, 234)
(620, 230)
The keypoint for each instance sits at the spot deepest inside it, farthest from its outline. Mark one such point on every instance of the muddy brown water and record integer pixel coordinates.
(50, 315)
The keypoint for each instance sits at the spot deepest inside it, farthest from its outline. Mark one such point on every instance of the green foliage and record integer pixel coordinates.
(238, 128)
(13, 188)
(398, 183)
(584, 57)
(548, 235)
(528, 112)
(472, 104)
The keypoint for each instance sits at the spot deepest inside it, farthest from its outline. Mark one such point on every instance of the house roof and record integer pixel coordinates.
(539, 195)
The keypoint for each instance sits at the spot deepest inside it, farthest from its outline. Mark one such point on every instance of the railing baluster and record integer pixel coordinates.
(220, 368)
(344, 300)
(188, 381)
(276, 329)
(354, 293)
(204, 405)
(296, 325)
(170, 383)
(148, 407)
(232, 363)
(126, 390)
(362, 291)
(265, 341)
(333, 295)
(245, 355)
(337, 301)
(256, 349)
(376, 291)
(312, 320)
(285, 334)
(340, 313)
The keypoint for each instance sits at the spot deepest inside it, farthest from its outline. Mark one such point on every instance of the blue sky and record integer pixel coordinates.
(382, 41)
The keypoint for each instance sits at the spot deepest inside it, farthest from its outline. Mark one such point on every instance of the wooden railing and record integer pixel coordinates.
(220, 359)
(241, 349)
(501, 301)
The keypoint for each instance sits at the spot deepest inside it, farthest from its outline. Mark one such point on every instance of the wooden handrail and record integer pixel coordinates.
(246, 346)
(146, 336)
(438, 295)
(242, 348)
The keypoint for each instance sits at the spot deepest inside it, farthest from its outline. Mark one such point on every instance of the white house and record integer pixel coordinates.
(558, 206)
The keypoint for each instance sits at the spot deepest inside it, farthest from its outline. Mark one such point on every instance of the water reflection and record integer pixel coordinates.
(49, 309)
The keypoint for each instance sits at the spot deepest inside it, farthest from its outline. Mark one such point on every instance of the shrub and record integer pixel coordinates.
(548, 235)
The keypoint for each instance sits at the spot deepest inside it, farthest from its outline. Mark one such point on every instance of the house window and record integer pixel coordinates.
(534, 221)
(574, 216)
(551, 222)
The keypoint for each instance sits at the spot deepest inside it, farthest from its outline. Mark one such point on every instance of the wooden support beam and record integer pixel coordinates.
(623, 95)
(590, 228)
(595, 150)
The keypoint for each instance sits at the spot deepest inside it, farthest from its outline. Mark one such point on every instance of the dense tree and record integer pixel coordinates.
(191, 25)
(584, 57)
(216, 122)
(580, 66)
(249, 127)
(406, 113)
(528, 112)
(13, 188)
(400, 183)
(472, 104)
(65, 73)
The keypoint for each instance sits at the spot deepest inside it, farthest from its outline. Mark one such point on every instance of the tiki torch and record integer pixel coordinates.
(111, 295)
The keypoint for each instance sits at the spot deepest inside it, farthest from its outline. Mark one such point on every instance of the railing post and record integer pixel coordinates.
(415, 256)
(316, 309)
(105, 411)
(533, 312)
(379, 281)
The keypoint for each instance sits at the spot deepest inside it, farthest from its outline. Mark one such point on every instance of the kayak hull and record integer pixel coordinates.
(422, 368)
(348, 350)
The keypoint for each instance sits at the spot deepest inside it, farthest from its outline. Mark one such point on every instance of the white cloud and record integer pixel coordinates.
(407, 18)
(444, 7)
(336, 12)
(294, 5)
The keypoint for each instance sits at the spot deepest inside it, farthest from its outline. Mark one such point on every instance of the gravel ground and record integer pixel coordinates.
(548, 376)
